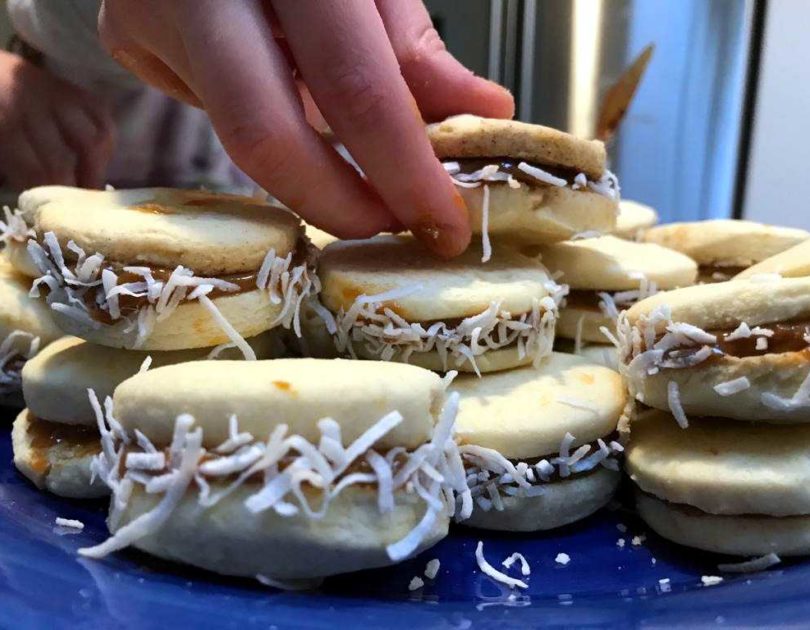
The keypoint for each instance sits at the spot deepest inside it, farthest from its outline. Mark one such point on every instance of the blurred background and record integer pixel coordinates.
(719, 125)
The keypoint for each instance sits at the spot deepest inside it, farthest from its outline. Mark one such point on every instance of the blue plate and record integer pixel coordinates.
(44, 584)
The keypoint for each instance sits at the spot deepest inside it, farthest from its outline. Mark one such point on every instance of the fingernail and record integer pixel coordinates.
(443, 239)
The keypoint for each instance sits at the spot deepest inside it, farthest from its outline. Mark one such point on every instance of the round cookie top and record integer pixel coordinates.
(55, 382)
(722, 466)
(634, 217)
(726, 242)
(791, 263)
(210, 233)
(725, 305)
(19, 312)
(614, 264)
(295, 392)
(468, 136)
(525, 413)
(429, 289)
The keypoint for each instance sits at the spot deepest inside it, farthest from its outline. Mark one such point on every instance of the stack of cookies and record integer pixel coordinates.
(719, 450)
(142, 278)
(537, 429)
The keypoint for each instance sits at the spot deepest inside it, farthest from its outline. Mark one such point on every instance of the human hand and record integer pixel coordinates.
(51, 132)
(375, 71)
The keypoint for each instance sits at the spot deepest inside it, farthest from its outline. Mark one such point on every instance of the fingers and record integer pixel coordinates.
(89, 133)
(248, 90)
(130, 31)
(346, 60)
(440, 84)
(19, 165)
(56, 158)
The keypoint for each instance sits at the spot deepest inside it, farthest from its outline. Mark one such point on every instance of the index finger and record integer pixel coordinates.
(346, 59)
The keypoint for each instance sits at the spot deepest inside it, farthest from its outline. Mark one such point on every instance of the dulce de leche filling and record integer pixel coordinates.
(78, 440)
(786, 337)
(510, 166)
(583, 300)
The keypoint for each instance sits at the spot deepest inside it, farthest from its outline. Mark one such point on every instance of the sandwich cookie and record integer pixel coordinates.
(527, 182)
(791, 263)
(391, 300)
(56, 437)
(289, 469)
(26, 326)
(540, 446)
(723, 486)
(738, 349)
(634, 218)
(608, 274)
(725, 247)
(166, 269)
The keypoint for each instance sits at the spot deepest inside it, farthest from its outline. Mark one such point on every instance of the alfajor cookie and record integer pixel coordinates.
(391, 300)
(288, 469)
(607, 274)
(540, 446)
(723, 486)
(26, 326)
(527, 182)
(736, 349)
(791, 263)
(166, 269)
(56, 437)
(724, 247)
(634, 218)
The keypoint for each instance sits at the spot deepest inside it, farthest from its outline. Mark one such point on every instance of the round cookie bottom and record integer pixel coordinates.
(189, 326)
(748, 535)
(63, 469)
(540, 214)
(779, 373)
(562, 503)
(229, 539)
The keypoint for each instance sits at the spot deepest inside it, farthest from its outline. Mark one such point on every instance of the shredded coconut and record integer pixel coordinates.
(735, 386)
(432, 568)
(541, 175)
(489, 474)
(751, 566)
(674, 400)
(69, 522)
(416, 583)
(488, 569)
(525, 569)
(621, 543)
(607, 185)
(562, 558)
(14, 228)
(637, 541)
(18, 346)
(387, 336)
(711, 580)
(486, 246)
(434, 470)
(72, 288)
(799, 400)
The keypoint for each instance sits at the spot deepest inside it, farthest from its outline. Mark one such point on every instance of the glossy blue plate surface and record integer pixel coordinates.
(44, 584)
